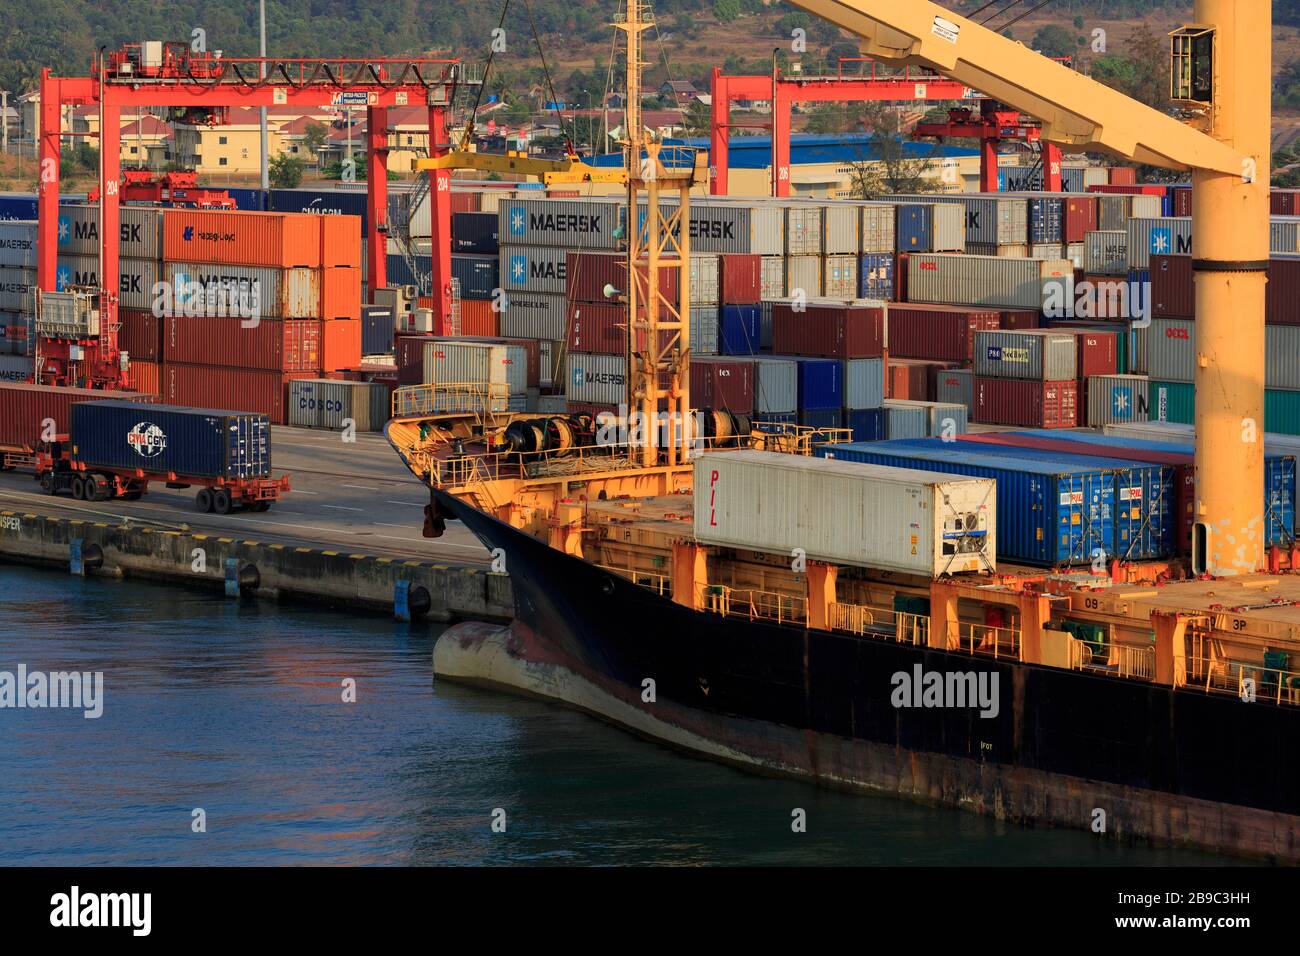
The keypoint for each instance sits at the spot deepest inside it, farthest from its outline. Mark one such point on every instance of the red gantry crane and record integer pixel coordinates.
(155, 73)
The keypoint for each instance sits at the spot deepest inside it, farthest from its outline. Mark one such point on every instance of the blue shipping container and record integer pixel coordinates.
(399, 273)
(1045, 220)
(377, 330)
(769, 421)
(23, 206)
(475, 232)
(868, 424)
(477, 274)
(1279, 477)
(326, 202)
(818, 417)
(912, 228)
(740, 328)
(821, 382)
(1049, 512)
(187, 442)
(1146, 498)
(876, 276)
(251, 200)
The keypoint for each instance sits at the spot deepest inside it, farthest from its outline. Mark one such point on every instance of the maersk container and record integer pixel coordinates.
(596, 379)
(573, 224)
(1165, 236)
(15, 369)
(478, 276)
(187, 442)
(235, 290)
(841, 229)
(867, 424)
(1037, 354)
(16, 287)
(840, 277)
(954, 387)
(776, 387)
(1106, 253)
(876, 275)
(475, 232)
(1048, 512)
(877, 229)
(135, 278)
(984, 280)
(534, 315)
(912, 228)
(140, 228)
(18, 245)
(740, 329)
(1117, 398)
(803, 276)
(725, 225)
(864, 383)
(533, 269)
(803, 229)
(892, 519)
(332, 404)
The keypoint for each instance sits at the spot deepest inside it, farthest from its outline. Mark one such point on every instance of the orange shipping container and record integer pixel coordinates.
(340, 291)
(146, 377)
(341, 345)
(340, 241)
(276, 239)
(478, 318)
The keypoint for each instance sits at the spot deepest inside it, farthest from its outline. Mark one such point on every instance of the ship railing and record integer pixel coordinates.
(870, 621)
(755, 604)
(484, 399)
(661, 584)
(983, 639)
(854, 618)
(1246, 680)
(1138, 663)
(792, 439)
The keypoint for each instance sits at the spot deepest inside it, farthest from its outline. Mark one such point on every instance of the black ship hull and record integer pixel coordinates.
(1117, 756)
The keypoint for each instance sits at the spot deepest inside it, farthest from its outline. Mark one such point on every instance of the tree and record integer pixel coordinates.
(1142, 72)
(726, 10)
(285, 171)
(697, 119)
(885, 167)
(313, 137)
(1054, 40)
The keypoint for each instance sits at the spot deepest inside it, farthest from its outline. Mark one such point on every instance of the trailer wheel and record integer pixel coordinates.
(78, 488)
(203, 500)
(221, 502)
(263, 506)
(97, 488)
(47, 483)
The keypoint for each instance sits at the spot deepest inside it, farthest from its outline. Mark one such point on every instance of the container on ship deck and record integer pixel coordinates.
(243, 390)
(329, 403)
(268, 239)
(839, 331)
(24, 410)
(1026, 402)
(867, 424)
(1048, 512)
(501, 370)
(722, 384)
(285, 345)
(935, 332)
(187, 442)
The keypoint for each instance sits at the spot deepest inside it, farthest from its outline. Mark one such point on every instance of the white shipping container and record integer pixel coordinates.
(1074, 251)
(803, 229)
(840, 277)
(894, 519)
(1114, 210)
(727, 224)
(533, 315)
(222, 289)
(1284, 234)
(947, 227)
(1047, 250)
(596, 379)
(704, 329)
(877, 227)
(704, 279)
(803, 273)
(1017, 250)
(841, 226)
(983, 280)
(772, 277)
(16, 287)
(502, 370)
(1106, 253)
(573, 224)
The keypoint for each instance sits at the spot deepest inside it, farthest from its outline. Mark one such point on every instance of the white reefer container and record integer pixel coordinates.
(893, 519)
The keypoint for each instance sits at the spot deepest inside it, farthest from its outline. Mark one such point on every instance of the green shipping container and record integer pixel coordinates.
(1173, 402)
(1282, 411)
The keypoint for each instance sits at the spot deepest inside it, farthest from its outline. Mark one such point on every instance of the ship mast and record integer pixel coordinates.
(659, 335)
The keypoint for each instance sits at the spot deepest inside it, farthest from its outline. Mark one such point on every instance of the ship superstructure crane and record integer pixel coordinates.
(1221, 78)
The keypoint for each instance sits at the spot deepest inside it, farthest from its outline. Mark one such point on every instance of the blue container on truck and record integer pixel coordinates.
(1146, 498)
(740, 329)
(1049, 512)
(1279, 476)
(325, 202)
(171, 439)
(821, 382)
(876, 275)
(912, 230)
(478, 275)
(475, 232)
(868, 424)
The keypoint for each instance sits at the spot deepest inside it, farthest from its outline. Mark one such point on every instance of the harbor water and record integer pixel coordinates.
(237, 709)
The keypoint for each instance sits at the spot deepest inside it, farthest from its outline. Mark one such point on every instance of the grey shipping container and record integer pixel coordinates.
(328, 403)
(573, 224)
(140, 228)
(990, 220)
(1171, 350)
(840, 276)
(1284, 234)
(1027, 354)
(1115, 210)
(864, 383)
(841, 229)
(754, 226)
(15, 368)
(1015, 251)
(596, 379)
(533, 315)
(500, 369)
(936, 419)
(877, 220)
(1165, 236)
(16, 287)
(1106, 253)
(983, 280)
(803, 274)
(803, 229)
(776, 386)
(772, 277)
(17, 244)
(704, 330)
(1047, 250)
(1114, 399)
(1074, 251)
(954, 386)
(533, 268)
(704, 279)
(222, 289)
(1139, 352)
(906, 420)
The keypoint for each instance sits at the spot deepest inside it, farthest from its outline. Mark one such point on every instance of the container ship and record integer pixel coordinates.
(939, 588)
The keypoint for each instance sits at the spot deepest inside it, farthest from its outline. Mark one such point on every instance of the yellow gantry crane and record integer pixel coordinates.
(1222, 80)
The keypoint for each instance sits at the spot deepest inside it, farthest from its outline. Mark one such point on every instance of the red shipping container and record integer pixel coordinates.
(1281, 202)
(1183, 203)
(1134, 190)
(722, 384)
(900, 277)
(831, 331)
(340, 345)
(910, 379)
(25, 408)
(340, 290)
(1018, 319)
(1173, 294)
(1080, 217)
(283, 345)
(1098, 352)
(465, 200)
(146, 377)
(740, 279)
(587, 408)
(1282, 294)
(587, 274)
(1025, 402)
(232, 389)
(936, 332)
(598, 328)
(340, 241)
(140, 335)
(1123, 176)
(410, 358)
(275, 239)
